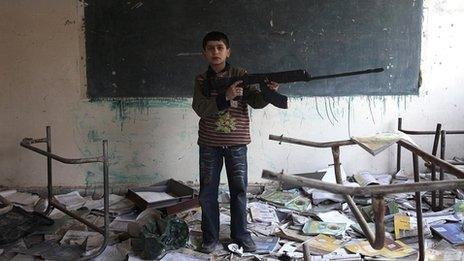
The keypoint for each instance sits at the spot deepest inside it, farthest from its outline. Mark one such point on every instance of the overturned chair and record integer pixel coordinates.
(377, 192)
(53, 203)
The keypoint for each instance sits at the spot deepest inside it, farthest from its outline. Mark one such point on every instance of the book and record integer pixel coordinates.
(381, 141)
(279, 197)
(406, 226)
(291, 234)
(262, 213)
(300, 203)
(392, 249)
(323, 244)
(452, 232)
(327, 228)
(364, 179)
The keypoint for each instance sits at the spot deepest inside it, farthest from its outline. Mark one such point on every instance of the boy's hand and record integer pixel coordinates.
(273, 86)
(234, 90)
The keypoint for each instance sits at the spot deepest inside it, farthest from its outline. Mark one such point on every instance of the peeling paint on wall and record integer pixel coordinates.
(124, 107)
(95, 136)
(137, 132)
(95, 179)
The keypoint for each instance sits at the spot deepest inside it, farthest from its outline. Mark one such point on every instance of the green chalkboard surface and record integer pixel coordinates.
(152, 48)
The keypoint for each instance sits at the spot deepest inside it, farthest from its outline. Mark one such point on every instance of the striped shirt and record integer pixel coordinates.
(223, 123)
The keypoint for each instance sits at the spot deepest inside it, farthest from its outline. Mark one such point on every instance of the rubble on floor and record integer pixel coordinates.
(163, 222)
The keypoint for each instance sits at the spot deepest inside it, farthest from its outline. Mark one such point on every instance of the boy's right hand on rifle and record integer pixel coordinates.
(234, 90)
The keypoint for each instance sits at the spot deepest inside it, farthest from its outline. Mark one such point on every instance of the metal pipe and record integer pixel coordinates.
(442, 173)
(455, 132)
(377, 191)
(378, 241)
(336, 158)
(306, 252)
(370, 190)
(398, 149)
(400, 128)
(424, 155)
(63, 209)
(26, 143)
(449, 168)
(418, 199)
(436, 138)
(311, 143)
(378, 205)
(49, 169)
(106, 200)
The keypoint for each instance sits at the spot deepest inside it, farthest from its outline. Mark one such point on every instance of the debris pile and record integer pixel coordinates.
(163, 221)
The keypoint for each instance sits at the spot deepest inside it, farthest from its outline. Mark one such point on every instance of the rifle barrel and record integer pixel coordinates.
(376, 70)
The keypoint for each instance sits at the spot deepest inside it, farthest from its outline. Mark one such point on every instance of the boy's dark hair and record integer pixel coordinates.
(215, 36)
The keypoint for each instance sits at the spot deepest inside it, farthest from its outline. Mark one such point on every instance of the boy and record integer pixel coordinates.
(223, 134)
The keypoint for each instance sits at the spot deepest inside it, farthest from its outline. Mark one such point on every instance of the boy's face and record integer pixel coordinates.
(216, 52)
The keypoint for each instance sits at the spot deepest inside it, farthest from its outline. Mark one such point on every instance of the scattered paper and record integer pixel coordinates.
(111, 253)
(174, 256)
(72, 200)
(151, 197)
(289, 249)
(76, 237)
(330, 174)
(120, 223)
(266, 245)
(20, 198)
(264, 229)
(335, 217)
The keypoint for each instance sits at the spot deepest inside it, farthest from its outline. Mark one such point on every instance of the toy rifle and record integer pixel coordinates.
(275, 98)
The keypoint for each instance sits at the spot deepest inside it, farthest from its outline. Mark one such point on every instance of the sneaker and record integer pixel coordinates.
(248, 244)
(208, 247)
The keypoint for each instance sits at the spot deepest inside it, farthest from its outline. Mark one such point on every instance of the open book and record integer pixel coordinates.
(364, 178)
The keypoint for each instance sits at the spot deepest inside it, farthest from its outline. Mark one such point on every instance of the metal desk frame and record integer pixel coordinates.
(377, 192)
(439, 136)
(53, 203)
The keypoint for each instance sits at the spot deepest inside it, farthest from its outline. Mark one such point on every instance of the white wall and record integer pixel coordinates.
(41, 56)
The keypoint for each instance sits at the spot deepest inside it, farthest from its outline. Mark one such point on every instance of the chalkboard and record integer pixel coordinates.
(152, 48)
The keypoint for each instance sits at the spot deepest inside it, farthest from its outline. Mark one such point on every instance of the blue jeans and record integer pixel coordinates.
(211, 161)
